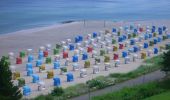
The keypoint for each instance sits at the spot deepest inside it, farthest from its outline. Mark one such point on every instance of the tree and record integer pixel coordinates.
(166, 62)
(7, 90)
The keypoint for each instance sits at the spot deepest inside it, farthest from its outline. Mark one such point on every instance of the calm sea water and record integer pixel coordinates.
(24, 14)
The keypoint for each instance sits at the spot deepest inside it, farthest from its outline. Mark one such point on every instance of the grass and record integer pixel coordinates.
(105, 81)
(139, 92)
(162, 96)
(150, 65)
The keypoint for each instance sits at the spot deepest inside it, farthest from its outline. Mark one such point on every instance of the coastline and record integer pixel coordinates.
(37, 37)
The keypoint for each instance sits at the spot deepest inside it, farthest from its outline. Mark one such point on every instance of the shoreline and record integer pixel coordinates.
(48, 26)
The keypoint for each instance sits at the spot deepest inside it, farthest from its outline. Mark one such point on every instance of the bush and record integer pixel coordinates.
(75, 90)
(100, 82)
(44, 97)
(58, 91)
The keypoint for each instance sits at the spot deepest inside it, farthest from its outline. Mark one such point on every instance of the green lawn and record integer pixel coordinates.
(139, 92)
(162, 96)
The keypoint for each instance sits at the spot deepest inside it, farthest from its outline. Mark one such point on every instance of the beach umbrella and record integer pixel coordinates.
(26, 90)
(57, 81)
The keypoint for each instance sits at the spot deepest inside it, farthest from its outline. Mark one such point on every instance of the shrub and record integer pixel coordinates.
(58, 91)
(44, 97)
(75, 90)
(100, 82)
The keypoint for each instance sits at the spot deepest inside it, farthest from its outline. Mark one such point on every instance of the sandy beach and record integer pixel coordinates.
(34, 38)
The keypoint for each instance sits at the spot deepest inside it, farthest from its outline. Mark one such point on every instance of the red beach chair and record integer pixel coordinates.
(120, 46)
(18, 60)
(65, 55)
(141, 29)
(115, 57)
(45, 53)
(89, 49)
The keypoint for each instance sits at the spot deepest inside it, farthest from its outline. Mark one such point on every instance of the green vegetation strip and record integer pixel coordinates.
(139, 92)
(162, 96)
(100, 82)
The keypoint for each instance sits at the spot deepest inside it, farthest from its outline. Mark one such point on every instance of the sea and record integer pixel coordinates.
(18, 15)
